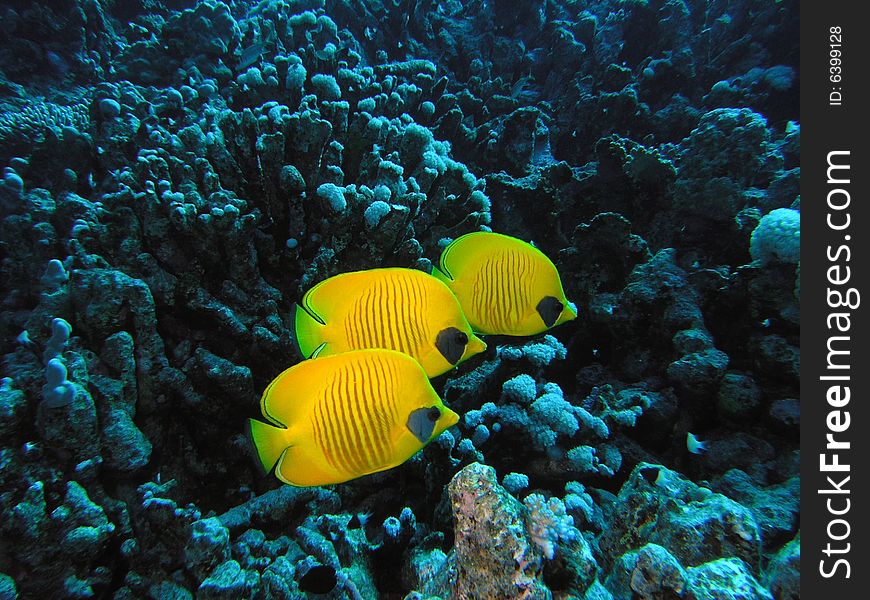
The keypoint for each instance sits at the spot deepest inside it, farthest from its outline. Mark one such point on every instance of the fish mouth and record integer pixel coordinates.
(475, 346)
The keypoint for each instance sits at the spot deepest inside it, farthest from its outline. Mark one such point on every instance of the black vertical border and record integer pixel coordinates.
(825, 128)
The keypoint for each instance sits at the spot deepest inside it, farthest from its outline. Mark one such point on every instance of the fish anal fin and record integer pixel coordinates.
(297, 467)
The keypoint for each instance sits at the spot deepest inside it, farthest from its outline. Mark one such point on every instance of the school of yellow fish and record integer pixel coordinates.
(362, 402)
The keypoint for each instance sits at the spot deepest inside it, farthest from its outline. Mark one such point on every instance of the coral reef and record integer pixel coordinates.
(176, 175)
(494, 555)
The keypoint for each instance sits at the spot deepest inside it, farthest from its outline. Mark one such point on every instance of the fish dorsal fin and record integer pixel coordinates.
(331, 295)
(309, 302)
(469, 247)
(442, 271)
(441, 275)
(288, 399)
(458, 251)
(315, 311)
(265, 401)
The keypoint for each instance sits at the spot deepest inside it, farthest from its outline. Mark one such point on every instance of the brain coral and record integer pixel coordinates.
(777, 238)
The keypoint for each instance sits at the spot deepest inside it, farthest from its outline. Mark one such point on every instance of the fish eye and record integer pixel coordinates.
(434, 414)
(549, 309)
(461, 338)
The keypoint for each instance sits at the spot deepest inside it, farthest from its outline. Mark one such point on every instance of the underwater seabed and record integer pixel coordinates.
(178, 174)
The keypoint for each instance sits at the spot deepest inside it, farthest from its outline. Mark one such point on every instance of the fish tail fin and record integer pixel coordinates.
(268, 443)
(309, 332)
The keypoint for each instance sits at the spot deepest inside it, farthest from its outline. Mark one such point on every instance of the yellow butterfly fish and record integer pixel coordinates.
(397, 309)
(344, 416)
(504, 285)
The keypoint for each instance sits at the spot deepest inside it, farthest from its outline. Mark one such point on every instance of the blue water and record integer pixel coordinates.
(178, 174)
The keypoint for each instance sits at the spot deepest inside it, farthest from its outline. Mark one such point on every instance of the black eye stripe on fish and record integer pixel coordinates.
(422, 422)
(549, 308)
(451, 343)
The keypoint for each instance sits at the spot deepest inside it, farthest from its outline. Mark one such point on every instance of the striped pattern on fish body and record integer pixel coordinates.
(344, 416)
(502, 288)
(504, 285)
(390, 313)
(397, 309)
